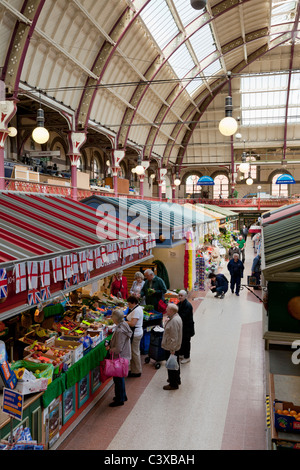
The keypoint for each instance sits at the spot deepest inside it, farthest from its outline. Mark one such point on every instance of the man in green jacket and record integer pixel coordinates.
(153, 289)
(241, 242)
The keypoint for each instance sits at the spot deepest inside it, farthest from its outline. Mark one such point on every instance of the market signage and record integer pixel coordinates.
(12, 403)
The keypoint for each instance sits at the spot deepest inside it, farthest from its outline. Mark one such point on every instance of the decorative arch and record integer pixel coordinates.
(221, 186)
(279, 190)
(190, 183)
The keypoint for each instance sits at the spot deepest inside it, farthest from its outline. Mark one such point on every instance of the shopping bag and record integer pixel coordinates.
(116, 367)
(252, 281)
(172, 363)
(162, 306)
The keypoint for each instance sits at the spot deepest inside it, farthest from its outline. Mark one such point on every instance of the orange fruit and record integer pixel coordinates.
(278, 411)
(285, 412)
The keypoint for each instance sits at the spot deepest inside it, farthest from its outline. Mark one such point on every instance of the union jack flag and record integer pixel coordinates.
(76, 278)
(45, 293)
(3, 284)
(87, 276)
(34, 297)
(67, 283)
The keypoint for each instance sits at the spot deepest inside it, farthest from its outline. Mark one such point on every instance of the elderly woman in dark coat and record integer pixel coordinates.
(185, 311)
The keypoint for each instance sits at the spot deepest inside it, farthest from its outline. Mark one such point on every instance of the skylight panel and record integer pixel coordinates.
(203, 42)
(263, 99)
(213, 69)
(194, 85)
(186, 13)
(282, 12)
(181, 61)
(160, 22)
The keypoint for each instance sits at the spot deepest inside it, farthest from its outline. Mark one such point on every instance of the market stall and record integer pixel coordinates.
(170, 224)
(279, 214)
(52, 248)
(232, 217)
(281, 319)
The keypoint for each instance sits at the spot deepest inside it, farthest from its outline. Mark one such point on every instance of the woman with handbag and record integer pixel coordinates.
(120, 346)
(135, 319)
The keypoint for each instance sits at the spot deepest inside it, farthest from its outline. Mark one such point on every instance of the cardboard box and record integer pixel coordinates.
(73, 347)
(31, 337)
(285, 418)
(96, 336)
(38, 385)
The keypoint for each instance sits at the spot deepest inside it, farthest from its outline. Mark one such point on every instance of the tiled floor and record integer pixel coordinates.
(221, 402)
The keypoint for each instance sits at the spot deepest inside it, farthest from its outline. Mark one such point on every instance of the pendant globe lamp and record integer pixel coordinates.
(244, 166)
(40, 134)
(228, 125)
(139, 169)
(198, 4)
(249, 180)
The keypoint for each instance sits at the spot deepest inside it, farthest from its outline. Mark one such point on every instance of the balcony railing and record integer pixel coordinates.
(45, 188)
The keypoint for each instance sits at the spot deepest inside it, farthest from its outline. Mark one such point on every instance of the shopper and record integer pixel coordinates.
(119, 286)
(154, 289)
(137, 286)
(135, 318)
(244, 232)
(120, 345)
(171, 343)
(234, 248)
(185, 311)
(236, 269)
(256, 269)
(241, 243)
(256, 242)
(219, 284)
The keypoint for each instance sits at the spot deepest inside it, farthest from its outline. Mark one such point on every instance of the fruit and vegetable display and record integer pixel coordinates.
(72, 333)
(287, 417)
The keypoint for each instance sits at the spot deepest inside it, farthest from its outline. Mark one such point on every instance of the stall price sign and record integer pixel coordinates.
(12, 403)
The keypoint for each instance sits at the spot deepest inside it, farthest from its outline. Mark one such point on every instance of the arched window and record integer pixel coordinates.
(191, 186)
(279, 190)
(221, 187)
(95, 169)
(80, 164)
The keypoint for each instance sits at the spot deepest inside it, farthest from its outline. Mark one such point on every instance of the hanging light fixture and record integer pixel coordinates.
(40, 134)
(139, 169)
(228, 125)
(12, 131)
(177, 180)
(244, 166)
(198, 4)
(249, 180)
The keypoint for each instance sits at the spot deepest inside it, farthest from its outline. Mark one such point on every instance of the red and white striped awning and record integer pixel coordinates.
(34, 225)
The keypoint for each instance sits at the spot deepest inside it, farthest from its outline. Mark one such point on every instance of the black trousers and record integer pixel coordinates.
(235, 282)
(185, 349)
(174, 375)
